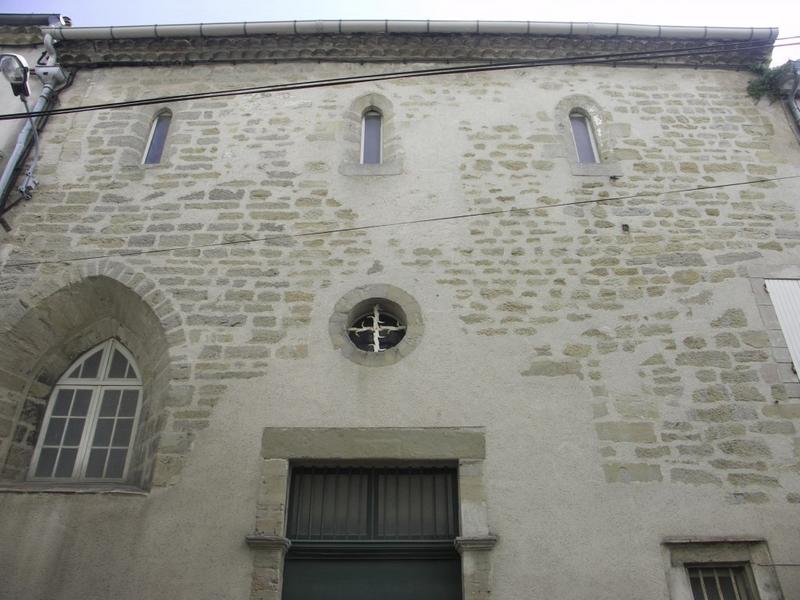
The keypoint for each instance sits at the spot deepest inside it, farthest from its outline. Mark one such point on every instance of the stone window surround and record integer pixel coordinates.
(780, 371)
(280, 446)
(391, 156)
(680, 551)
(600, 123)
(98, 302)
(136, 141)
(343, 313)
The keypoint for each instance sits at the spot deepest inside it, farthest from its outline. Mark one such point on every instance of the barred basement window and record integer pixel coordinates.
(364, 532)
(91, 418)
(720, 582)
(377, 329)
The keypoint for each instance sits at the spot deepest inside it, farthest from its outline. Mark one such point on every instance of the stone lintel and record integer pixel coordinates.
(373, 443)
(260, 541)
(725, 539)
(482, 543)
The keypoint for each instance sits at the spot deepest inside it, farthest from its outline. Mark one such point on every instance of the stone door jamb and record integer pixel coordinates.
(279, 446)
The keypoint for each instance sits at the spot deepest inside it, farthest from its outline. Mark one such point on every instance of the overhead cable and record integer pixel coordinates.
(286, 236)
(620, 58)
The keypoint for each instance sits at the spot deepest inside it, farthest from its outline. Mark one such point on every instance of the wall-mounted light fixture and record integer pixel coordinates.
(15, 70)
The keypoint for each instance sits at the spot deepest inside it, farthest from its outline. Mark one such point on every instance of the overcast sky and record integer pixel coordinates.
(784, 14)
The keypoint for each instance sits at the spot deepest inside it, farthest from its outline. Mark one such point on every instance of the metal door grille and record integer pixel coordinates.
(719, 583)
(373, 503)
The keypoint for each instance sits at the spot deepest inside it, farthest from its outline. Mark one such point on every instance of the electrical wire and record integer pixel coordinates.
(287, 236)
(608, 58)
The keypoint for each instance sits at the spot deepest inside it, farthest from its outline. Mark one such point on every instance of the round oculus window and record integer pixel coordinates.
(376, 328)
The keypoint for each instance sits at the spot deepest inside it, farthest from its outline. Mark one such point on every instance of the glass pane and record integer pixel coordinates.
(119, 364)
(80, 407)
(741, 584)
(76, 372)
(122, 433)
(47, 460)
(91, 366)
(726, 586)
(66, 461)
(372, 138)
(74, 431)
(131, 374)
(156, 147)
(108, 408)
(102, 433)
(55, 430)
(583, 138)
(97, 461)
(129, 401)
(710, 584)
(63, 399)
(116, 463)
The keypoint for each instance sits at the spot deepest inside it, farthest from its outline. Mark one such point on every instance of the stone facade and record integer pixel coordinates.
(604, 329)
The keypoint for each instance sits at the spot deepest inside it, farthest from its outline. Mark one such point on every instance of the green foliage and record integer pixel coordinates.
(768, 81)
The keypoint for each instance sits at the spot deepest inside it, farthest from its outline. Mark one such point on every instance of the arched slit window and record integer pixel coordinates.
(371, 142)
(91, 419)
(585, 145)
(158, 137)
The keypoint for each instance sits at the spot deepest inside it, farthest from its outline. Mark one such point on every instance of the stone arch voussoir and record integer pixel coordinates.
(65, 313)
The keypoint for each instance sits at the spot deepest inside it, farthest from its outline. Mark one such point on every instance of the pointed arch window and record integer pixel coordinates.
(582, 135)
(158, 137)
(91, 419)
(371, 142)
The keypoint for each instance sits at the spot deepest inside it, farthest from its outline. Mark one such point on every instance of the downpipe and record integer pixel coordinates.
(53, 78)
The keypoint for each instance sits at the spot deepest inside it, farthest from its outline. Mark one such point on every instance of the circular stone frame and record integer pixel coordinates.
(353, 302)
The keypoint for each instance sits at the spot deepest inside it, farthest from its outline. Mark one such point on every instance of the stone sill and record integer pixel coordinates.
(74, 488)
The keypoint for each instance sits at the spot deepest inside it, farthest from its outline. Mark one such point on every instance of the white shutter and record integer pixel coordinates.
(785, 296)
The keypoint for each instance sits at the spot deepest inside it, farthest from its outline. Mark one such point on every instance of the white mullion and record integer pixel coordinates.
(82, 458)
(111, 439)
(702, 583)
(88, 433)
(105, 359)
(716, 581)
(735, 584)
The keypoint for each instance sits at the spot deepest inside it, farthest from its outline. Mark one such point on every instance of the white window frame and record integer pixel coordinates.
(371, 109)
(785, 297)
(98, 385)
(592, 141)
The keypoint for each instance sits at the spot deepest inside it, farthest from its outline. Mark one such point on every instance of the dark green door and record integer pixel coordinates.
(392, 579)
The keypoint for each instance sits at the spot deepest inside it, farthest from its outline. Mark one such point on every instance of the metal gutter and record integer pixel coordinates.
(537, 28)
(23, 20)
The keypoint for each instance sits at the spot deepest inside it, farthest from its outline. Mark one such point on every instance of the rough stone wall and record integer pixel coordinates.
(651, 336)
(399, 48)
(698, 400)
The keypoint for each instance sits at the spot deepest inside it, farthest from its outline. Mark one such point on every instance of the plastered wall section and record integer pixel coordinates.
(626, 379)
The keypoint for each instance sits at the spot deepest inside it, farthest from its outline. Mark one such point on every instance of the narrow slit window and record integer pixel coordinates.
(371, 137)
(158, 137)
(585, 146)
